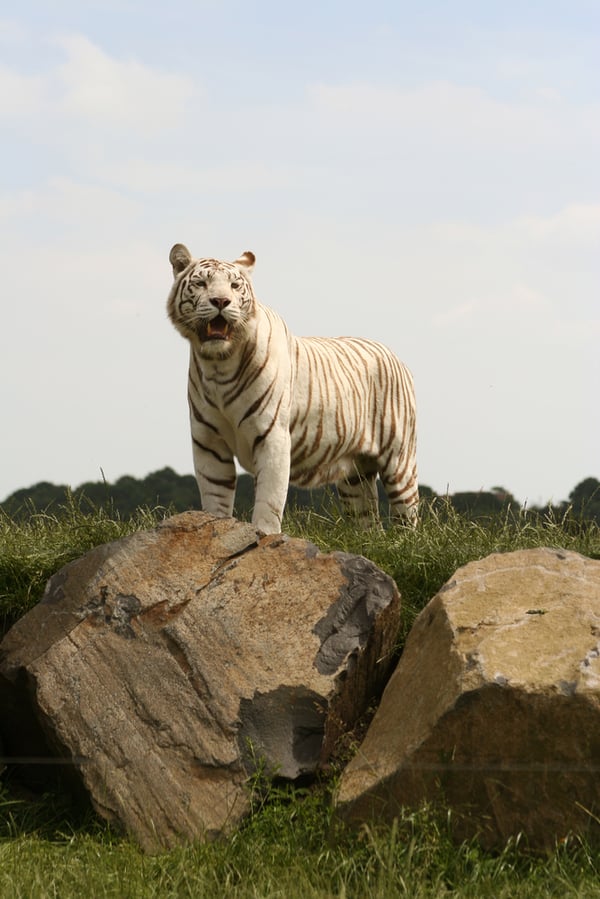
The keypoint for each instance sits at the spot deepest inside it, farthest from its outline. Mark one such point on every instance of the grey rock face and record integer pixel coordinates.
(494, 708)
(165, 666)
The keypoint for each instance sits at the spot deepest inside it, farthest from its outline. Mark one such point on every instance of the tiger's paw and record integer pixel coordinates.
(265, 520)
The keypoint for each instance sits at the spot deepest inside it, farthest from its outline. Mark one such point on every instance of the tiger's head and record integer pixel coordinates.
(211, 302)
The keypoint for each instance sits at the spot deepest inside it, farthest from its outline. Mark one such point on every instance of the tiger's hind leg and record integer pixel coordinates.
(399, 478)
(358, 495)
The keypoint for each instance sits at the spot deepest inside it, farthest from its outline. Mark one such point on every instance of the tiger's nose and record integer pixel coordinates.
(219, 302)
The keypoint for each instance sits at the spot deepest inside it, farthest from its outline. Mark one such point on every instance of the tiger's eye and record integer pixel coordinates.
(236, 285)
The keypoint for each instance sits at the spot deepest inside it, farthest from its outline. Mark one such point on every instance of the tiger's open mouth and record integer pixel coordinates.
(217, 328)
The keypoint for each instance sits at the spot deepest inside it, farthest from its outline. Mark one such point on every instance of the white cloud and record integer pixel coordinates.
(577, 225)
(152, 176)
(65, 199)
(446, 147)
(435, 110)
(20, 95)
(574, 225)
(12, 32)
(91, 88)
(105, 91)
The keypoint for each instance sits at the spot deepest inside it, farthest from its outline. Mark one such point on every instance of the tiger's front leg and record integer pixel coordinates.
(272, 475)
(215, 475)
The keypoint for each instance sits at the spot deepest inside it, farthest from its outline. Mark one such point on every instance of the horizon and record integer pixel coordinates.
(75, 488)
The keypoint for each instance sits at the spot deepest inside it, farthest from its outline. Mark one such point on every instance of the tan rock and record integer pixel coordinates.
(164, 666)
(494, 708)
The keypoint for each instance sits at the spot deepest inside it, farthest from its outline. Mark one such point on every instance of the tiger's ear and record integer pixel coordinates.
(179, 257)
(246, 260)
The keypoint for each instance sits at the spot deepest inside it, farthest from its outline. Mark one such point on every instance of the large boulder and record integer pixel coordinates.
(494, 708)
(166, 667)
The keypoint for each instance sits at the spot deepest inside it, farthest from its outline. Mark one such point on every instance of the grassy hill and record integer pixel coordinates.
(290, 847)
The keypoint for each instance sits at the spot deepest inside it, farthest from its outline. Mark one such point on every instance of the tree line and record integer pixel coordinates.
(179, 493)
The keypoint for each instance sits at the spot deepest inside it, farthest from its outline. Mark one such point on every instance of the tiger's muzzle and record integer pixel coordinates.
(218, 328)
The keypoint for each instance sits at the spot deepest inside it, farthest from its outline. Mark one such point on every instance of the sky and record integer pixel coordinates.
(423, 174)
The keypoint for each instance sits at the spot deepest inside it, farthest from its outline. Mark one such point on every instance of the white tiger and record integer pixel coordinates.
(307, 411)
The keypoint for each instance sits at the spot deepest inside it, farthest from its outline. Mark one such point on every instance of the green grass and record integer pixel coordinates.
(291, 846)
(422, 560)
(34, 549)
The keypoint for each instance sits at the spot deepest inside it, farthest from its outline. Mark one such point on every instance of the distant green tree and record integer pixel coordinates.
(167, 488)
(93, 494)
(585, 499)
(179, 493)
(127, 494)
(41, 497)
(504, 496)
(482, 504)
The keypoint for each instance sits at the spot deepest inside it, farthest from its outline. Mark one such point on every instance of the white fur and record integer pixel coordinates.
(310, 410)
